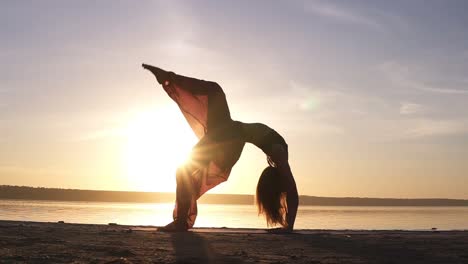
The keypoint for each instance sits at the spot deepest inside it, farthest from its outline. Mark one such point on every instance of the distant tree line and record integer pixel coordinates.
(57, 194)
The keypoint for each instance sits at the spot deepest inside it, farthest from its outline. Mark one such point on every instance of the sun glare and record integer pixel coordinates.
(158, 141)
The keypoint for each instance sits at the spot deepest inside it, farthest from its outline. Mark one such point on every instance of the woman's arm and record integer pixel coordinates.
(280, 154)
(292, 200)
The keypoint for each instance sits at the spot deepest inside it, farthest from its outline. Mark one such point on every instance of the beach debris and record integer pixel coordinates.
(61, 222)
(434, 229)
(112, 224)
(119, 261)
(122, 253)
(241, 253)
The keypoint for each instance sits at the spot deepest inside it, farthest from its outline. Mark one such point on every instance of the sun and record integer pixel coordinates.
(158, 141)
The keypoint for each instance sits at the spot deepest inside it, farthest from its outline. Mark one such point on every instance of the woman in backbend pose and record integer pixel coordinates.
(204, 105)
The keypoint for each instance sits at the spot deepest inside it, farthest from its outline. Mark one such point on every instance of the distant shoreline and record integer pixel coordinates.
(56, 194)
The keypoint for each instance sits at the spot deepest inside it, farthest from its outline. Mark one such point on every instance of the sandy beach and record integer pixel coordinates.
(32, 242)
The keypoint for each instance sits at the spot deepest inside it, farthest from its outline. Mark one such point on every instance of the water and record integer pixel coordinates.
(239, 216)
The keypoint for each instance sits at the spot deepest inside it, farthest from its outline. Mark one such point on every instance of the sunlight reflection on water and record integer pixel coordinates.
(238, 216)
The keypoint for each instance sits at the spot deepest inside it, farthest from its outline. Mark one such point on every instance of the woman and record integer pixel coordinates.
(204, 105)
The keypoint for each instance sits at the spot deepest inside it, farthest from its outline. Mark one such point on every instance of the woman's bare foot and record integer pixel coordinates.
(175, 226)
(161, 75)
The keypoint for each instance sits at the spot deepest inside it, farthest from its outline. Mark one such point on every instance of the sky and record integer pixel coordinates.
(371, 96)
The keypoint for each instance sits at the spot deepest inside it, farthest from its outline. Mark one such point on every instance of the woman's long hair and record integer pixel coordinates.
(271, 198)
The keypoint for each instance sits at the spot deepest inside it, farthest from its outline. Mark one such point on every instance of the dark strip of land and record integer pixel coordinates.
(55, 194)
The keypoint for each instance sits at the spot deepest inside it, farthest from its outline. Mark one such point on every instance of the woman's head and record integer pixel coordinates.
(270, 198)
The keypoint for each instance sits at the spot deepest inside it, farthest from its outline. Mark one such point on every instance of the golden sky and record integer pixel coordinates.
(371, 97)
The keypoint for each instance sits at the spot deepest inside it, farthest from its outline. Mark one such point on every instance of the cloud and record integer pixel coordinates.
(309, 97)
(305, 110)
(465, 54)
(414, 129)
(12, 171)
(341, 14)
(428, 127)
(347, 112)
(407, 108)
(403, 76)
(102, 134)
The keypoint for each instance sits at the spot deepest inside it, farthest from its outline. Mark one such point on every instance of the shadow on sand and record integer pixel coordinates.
(192, 248)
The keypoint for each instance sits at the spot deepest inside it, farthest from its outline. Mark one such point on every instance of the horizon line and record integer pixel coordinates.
(239, 194)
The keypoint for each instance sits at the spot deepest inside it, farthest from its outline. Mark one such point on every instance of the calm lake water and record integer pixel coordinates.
(238, 216)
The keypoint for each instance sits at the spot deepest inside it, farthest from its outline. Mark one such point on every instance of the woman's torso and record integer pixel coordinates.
(262, 136)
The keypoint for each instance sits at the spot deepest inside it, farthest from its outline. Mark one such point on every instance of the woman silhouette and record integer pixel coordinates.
(204, 105)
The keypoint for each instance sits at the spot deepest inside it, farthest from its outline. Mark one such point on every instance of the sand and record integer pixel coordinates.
(31, 242)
